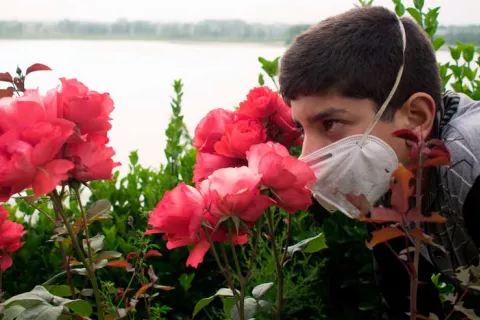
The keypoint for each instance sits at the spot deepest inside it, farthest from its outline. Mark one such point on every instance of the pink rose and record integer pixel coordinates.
(235, 192)
(201, 245)
(10, 235)
(93, 161)
(281, 127)
(179, 213)
(284, 174)
(24, 111)
(89, 110)
(28, 158)
(211, 128)
(207, 163)
(261, 103)
(239, 137)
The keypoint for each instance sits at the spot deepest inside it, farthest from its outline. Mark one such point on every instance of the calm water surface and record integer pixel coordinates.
(139, 77)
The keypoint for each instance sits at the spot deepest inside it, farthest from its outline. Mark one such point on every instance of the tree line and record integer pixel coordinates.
(207, 30)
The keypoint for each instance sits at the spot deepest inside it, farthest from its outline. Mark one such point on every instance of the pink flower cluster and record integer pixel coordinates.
(11, 233)
(243, 167)
(45, 140)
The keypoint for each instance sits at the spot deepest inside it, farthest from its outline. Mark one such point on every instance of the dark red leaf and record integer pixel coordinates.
(406, 134)
(153, 253)
(6, 77)
(131, 255)
(37, 67)
(385, 234)
(6, 93)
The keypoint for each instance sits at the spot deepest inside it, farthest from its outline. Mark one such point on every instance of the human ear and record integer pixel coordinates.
(419, 113)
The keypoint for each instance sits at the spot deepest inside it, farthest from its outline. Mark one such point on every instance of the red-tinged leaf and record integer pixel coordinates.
(6, 77)
(415, 215)
(385, 234)
(132, 255)
(37, 67)
(418, 234)
(406, 134)
(6, 93)
(437, 144)
(164, 288)
(118, 264)
(360, 202)
(402, 188)
(143, 289)
(382, 215)
(437, 161)
(153, 253)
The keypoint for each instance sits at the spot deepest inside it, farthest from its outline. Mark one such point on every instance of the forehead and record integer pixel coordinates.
(307, 107)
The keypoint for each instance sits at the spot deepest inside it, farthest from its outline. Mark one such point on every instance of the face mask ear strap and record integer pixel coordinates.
(392, 92)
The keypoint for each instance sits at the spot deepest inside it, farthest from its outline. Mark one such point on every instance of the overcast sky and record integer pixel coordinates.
(289, 11)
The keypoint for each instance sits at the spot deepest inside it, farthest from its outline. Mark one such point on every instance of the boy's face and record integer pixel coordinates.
(326, 119)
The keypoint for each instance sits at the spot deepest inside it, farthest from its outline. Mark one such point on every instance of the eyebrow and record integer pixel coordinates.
(322, 115)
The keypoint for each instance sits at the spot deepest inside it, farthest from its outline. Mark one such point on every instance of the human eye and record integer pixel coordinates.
(331, 124)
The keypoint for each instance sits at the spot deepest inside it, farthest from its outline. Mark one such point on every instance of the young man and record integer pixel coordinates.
(337, 76)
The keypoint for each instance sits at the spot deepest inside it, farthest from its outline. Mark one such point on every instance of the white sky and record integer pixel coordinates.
(268, 11)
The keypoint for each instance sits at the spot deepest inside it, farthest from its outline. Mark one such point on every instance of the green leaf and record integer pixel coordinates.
(419, 4)
(417, 15)
(227, 306)
(98, 208)
(28, 299)
(399, 9)
(318, 243)
(455, 52)
(250, 307)
(261, 289)
(261, 80)
(96, 243)
(438, 43)
(12, 312)
(42, 311)
(468, 52)
(366, 306)
(80, 307)
(61, 290)
(107, 255)
(133, 157)
(223, 292)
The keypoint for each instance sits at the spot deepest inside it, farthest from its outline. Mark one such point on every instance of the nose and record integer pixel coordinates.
(312, 144)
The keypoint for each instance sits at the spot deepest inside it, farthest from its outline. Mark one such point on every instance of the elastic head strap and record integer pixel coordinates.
(392, 92)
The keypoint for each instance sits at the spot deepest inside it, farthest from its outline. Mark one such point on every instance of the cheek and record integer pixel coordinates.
(384, 131)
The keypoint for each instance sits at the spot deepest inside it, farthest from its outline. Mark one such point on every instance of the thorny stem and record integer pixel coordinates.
(278, 267)
(416, 255)
(58, 206)
(241, 279)
(225, 273)
(287, 241)
(255, 241)
(240, 305)
(85, 222)
(66, 264)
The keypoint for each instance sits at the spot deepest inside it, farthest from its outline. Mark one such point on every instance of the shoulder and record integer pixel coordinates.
(462, 137)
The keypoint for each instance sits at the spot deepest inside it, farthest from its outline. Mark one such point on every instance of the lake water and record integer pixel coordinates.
(139, 76)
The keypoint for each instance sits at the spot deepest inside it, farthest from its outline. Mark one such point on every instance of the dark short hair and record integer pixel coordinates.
(358, 54)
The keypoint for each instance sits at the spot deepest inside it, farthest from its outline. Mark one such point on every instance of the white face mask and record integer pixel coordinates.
(356, 165)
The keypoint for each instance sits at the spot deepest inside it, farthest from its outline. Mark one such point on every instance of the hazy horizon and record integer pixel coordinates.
(459, 12)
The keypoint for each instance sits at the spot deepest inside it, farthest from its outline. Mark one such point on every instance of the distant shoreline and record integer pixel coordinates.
(165, 40)
(159, 39)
